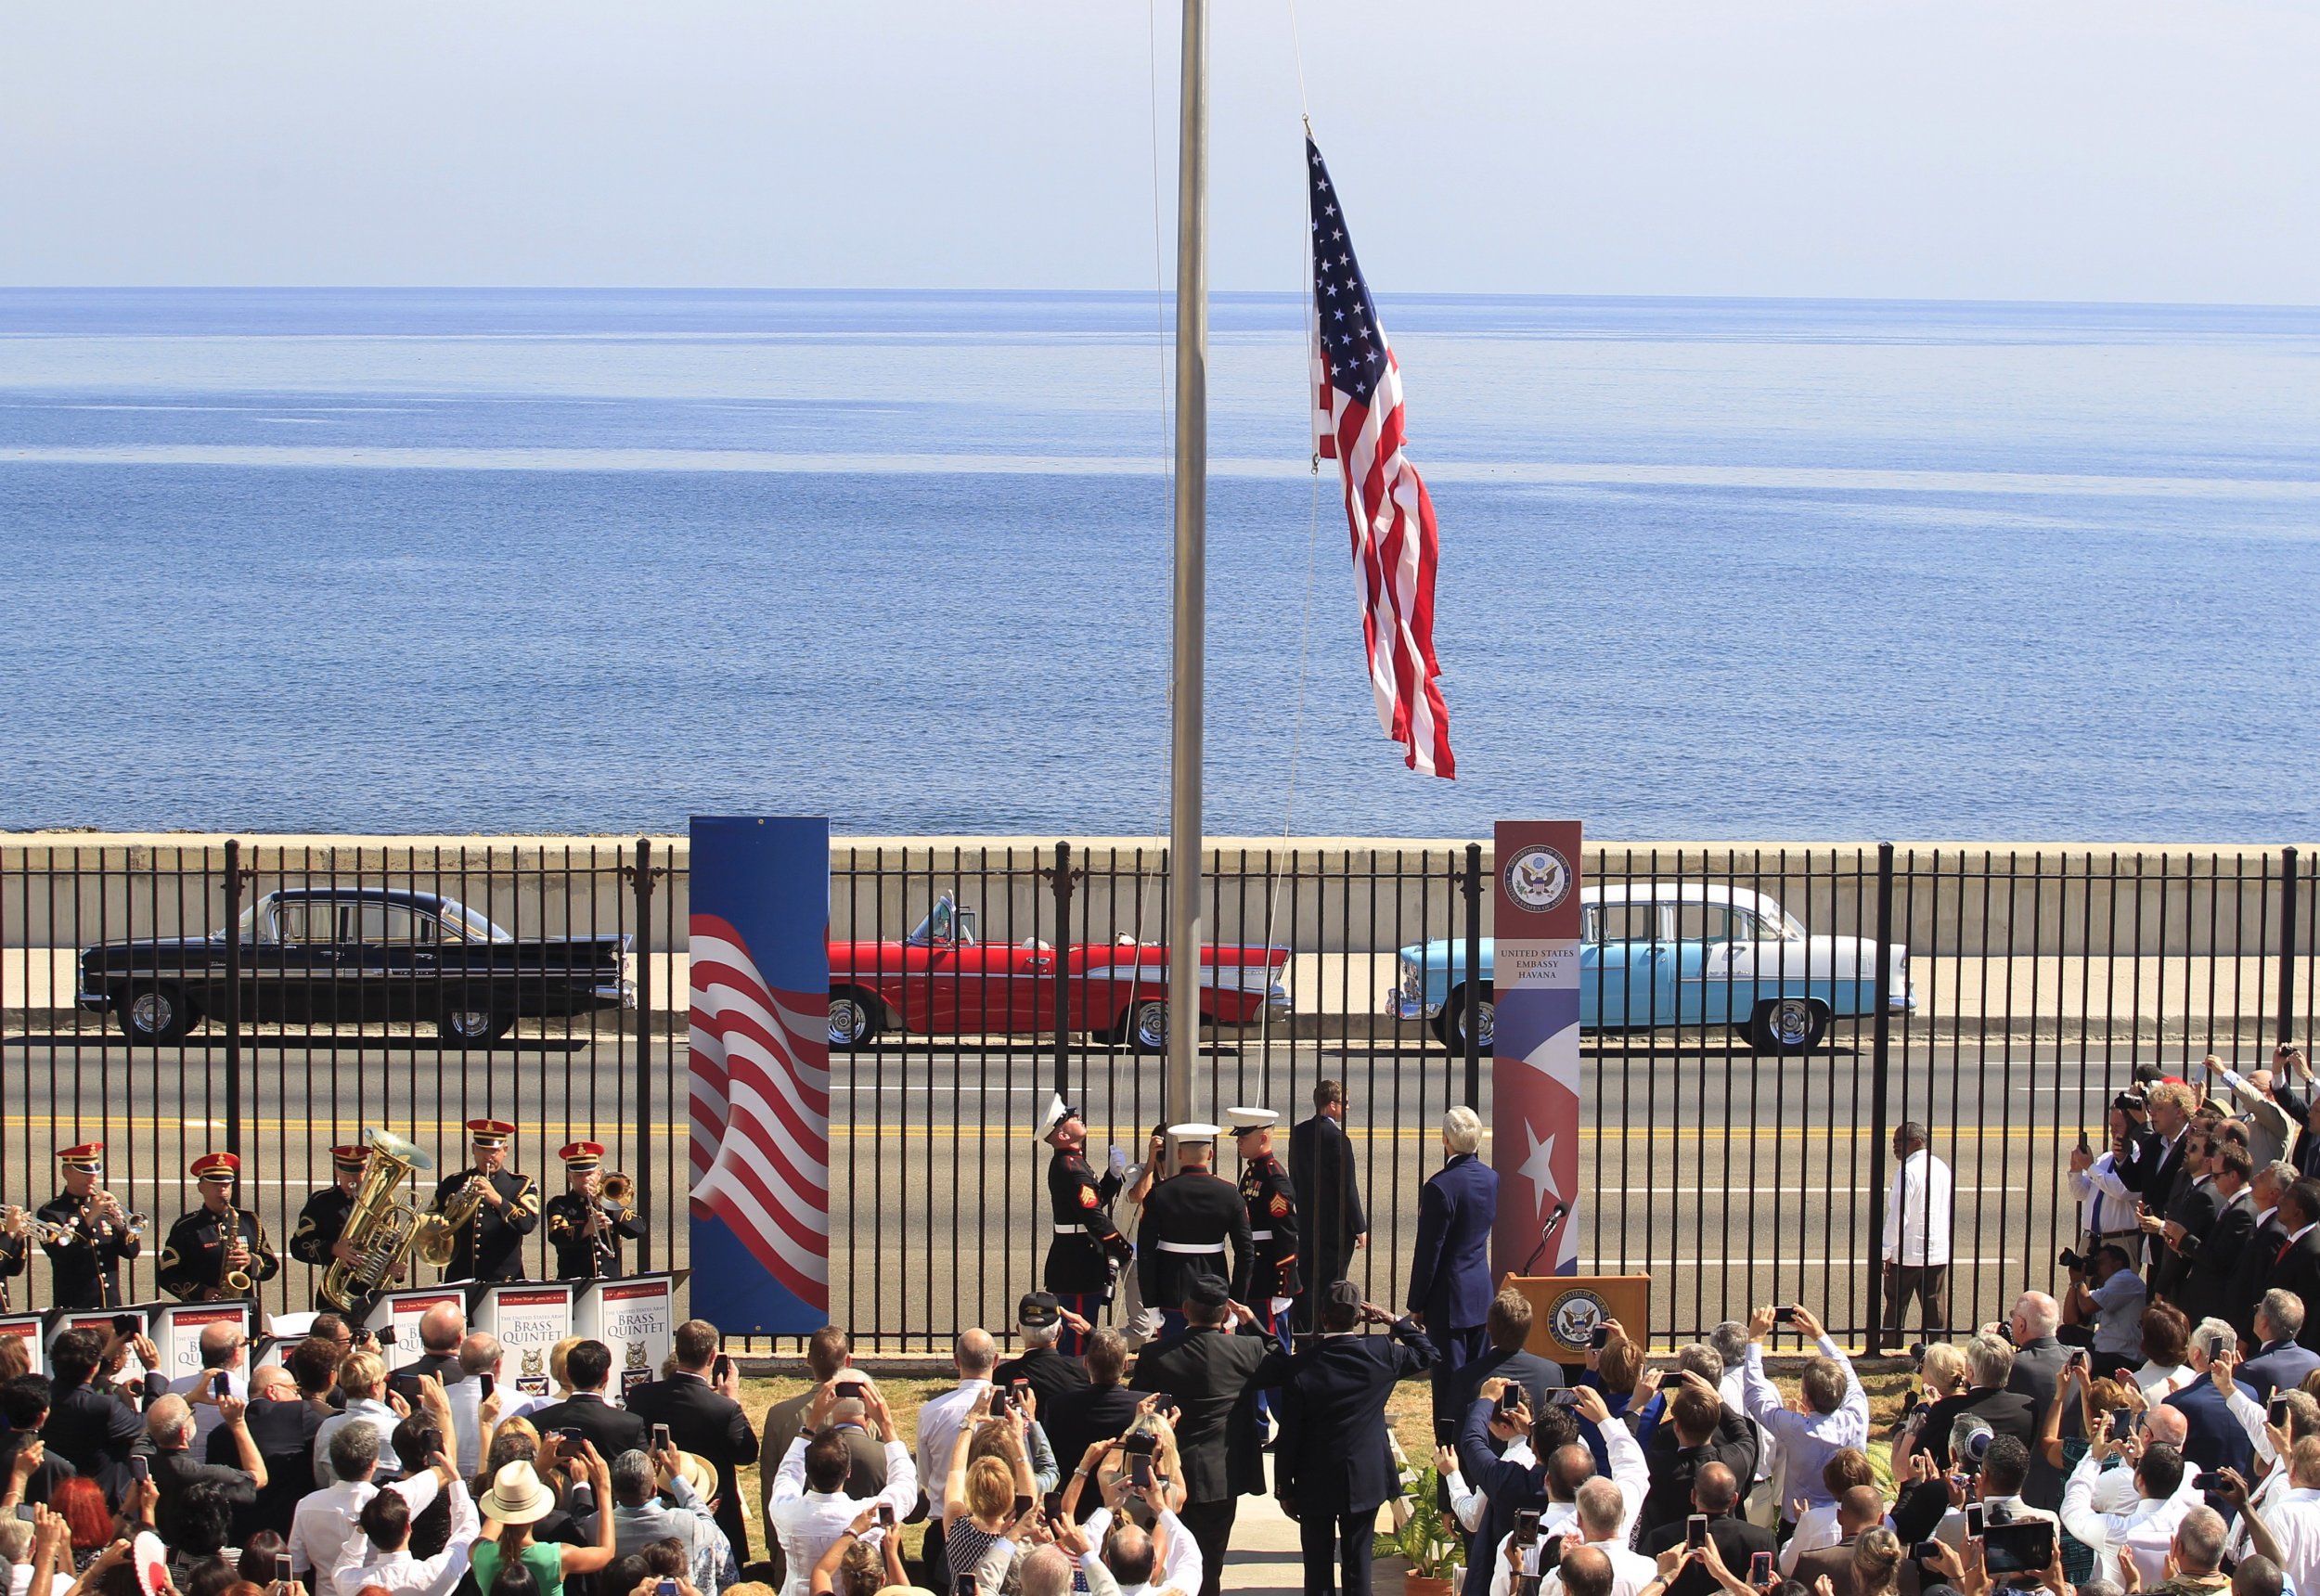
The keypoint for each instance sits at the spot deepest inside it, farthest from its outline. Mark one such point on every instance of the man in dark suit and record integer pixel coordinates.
(1990, 1365)
(1332, 1463)
(1450, 1267)
(1086, 1414)
(277, 1421)
(588, 1366)
(2204, 1291)
(2270, 1183)
(2296, 1267)
(2213, 1436)
(2191, 1215)
(2280, 1364)
(1716, 1494)
(1206, 1372)
(2155, 1145)
(1039, 1320)
(2038, 1360)
(1507, 1327)
(1329, 1197)
(95, 1432)
(704, 1417)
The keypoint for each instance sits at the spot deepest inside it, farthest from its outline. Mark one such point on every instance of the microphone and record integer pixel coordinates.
(1546, 1232)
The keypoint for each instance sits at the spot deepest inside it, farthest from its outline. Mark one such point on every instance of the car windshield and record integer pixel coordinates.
(947, 923)
(467, 924)
(257, 923)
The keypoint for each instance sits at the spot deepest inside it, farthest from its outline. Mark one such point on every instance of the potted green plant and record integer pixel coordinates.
(1431, 1544)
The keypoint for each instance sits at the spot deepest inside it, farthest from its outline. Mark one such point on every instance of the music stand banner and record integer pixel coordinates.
(636, 1318)
(100, 1319)
(761, 1073)
(529, 1318)
(25, 1327)
(399, 1313)
(1534, 1068)
(177, 1331)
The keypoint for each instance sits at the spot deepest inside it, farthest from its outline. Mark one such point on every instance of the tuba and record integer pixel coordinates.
(380, 1227)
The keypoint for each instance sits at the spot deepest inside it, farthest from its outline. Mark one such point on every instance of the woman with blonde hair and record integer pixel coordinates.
(981, 1528)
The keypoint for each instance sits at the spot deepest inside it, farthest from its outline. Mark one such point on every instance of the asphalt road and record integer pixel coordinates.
(1730, 1178)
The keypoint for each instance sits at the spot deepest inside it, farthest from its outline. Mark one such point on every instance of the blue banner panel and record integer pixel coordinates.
(761, 1073)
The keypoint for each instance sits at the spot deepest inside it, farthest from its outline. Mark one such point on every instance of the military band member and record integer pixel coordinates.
(87, 1266)
(1189, 1220)
(15, 1248)
(322, 1221)
(584, 1226)
(216, 1240)
(1271, 1203)
(1086, 1247)
(490, 1246)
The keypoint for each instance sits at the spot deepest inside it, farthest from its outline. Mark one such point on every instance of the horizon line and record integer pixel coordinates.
(1141, 295)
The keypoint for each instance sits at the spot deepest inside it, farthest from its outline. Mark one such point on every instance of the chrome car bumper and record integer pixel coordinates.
(1277, 1002)
(1401, 1006)
(93, 1000)
(621, 992)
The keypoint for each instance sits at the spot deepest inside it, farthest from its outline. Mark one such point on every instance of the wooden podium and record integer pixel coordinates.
(1565, 1308)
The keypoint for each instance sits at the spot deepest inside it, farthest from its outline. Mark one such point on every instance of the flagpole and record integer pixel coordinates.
(1186, 931)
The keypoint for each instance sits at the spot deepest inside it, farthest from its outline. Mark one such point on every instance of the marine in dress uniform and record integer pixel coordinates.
(323, 1221)
(215, 1240)
(87, 1267)
(1190, 1219)
(1271, 1203)
(1086, 1246)
(583, 1228)
(490, 1246)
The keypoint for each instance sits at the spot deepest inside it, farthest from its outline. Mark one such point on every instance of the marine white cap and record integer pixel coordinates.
(1195, 1130)
(1247, 1119)
(1058, 1111)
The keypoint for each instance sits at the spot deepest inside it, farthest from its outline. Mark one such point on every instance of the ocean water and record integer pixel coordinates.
(495, 560)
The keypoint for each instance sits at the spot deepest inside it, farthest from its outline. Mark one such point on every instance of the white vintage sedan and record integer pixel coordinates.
(1676, 953)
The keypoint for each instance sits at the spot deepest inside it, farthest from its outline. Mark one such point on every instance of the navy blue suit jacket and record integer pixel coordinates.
(2215, 1439)
(1332, 1456)
(1449, 1275)
(2282, 1365)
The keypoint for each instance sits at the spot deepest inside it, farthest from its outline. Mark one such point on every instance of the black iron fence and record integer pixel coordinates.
(1736, 1153)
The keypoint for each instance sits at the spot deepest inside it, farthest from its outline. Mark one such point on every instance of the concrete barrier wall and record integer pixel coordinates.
(1317, 896)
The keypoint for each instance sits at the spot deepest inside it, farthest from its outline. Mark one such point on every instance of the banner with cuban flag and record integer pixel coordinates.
(1534, 1071)
(760, 955)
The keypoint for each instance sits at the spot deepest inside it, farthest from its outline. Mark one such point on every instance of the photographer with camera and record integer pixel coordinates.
(2106, 1293)
(2105, 1203)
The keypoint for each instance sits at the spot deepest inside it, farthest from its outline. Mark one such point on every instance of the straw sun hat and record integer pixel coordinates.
(518, 1495)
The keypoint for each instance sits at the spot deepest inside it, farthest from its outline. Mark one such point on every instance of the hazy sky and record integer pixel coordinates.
(2048, 150)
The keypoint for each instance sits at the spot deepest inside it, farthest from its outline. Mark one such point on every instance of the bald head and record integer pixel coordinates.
(1860, 1508)
(440, 1328)
(170, 1423)
(221, 1344)
(1714, 1491)
(1586, 1572)
(2036, 1316)
(273, 1384)
(2167, 1425)
(1601, 1509)
(1127, 1554)
(975, 1352)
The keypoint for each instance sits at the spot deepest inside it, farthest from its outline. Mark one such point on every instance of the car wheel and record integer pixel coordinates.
(1788, 1026)
(154, 1015)
(462, 1025)
(1145, 1025)
(1486, 1021)
(853, 1020)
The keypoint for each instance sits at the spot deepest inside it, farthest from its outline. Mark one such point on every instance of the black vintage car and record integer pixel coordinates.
(330, 956)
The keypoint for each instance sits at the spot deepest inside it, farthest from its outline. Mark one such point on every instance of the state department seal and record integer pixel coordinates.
(1573, 1317)
(1538, 879)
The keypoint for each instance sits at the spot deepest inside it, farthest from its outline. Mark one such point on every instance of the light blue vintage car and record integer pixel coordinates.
(1668, 953)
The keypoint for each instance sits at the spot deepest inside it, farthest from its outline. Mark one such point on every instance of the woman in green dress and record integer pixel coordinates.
(518, 1499)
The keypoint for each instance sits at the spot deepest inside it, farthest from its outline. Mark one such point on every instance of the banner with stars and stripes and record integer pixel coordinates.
(760, 1081)
(1357, 421)
(1534, 1071)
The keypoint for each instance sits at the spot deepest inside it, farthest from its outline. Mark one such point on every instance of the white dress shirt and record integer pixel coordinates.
(1630, 1571)
(1468, 1505)
(2107, 1207)
(2146, 1528)
(1807, 1440)
(2294, 1521)
(1182, 1571)
(939, 1428)
(324, 1521)
(362, 1411)
(1735, 1391)
(1917, 1214)
(1816, 1529)
(361, 1564)
(808, 1521)
(206, 1417)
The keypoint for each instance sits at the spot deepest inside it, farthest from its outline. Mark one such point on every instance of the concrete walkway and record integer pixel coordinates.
(1268, 1557)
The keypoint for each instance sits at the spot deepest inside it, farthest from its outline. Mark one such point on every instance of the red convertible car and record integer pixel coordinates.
(943, 978)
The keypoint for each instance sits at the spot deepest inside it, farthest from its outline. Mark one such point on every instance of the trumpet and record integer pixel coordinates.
(16, 1221)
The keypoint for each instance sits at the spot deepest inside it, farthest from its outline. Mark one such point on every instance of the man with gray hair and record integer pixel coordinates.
(1602, 1522)
(2262, 1250)
(1989, 1367)
(974, 1354)
(170, 1424)
(2278, 1361)
(1727, 1347)
(1450, 1286)
(2197, 1553)
(328, 1519)
(2214, 1437)
(2038, 1360)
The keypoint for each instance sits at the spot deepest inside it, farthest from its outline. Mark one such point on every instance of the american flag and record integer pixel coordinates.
(760, 1112)
(1357, 422)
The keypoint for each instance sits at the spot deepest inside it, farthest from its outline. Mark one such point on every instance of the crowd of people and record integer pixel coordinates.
(2154, 1429)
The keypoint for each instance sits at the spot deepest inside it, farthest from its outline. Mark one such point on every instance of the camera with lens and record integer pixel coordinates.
(2071, 1261)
